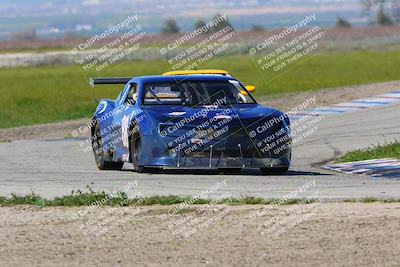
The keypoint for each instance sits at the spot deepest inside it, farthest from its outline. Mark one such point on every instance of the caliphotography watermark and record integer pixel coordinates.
(187, 219)
(274, 136)
(98, 220)
(285, 48)
(114, 45)
(113, 134)
(276, 219)
(199, 47)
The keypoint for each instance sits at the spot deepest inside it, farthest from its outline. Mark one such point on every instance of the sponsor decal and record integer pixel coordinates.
(104, 107)
(124, 131)
(176, 114)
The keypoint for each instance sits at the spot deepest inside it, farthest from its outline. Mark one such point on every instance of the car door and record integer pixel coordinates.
(122, 119)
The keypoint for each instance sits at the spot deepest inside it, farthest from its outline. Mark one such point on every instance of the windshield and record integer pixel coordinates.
(197, 93)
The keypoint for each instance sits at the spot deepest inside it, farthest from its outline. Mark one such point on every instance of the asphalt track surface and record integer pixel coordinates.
(56, 167)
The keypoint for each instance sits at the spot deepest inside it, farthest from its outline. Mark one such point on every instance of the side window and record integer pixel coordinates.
(132, 95)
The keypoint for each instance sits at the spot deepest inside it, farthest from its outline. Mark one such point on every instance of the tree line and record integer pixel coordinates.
(378, 12)
(171, 26)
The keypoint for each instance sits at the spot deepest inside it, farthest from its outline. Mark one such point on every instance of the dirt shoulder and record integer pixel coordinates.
(335, 234)
(59, 130)
(281, 101)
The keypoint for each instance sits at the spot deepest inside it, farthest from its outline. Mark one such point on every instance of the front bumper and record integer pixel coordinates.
(221, 154)
(229, 146)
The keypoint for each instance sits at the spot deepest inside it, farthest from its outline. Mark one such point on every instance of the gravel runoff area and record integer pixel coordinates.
(326, 234)
(281, 101)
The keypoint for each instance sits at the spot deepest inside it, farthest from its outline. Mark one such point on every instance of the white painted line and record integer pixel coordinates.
(394, 96)
(345, 107)
(382, 168)
(378, 100)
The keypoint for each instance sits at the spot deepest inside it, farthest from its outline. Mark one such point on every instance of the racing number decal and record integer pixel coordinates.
(125, 130)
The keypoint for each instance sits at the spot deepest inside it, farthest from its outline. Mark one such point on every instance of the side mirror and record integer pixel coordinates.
(251, 88)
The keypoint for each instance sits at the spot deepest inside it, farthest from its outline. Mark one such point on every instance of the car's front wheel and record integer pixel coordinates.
(98, 150)
(136, 152)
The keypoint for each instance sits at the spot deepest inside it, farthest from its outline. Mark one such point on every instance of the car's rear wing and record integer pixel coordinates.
(120, 80)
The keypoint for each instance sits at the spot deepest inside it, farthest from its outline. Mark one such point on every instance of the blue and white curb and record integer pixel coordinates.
(347, 107)
(376, 168)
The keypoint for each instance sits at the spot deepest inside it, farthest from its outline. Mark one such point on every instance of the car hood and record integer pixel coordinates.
(165, 113)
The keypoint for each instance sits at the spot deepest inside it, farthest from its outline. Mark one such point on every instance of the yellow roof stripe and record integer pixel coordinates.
(190, 72)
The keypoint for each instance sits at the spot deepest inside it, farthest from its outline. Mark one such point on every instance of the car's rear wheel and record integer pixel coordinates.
(274, 170)
(98, 150)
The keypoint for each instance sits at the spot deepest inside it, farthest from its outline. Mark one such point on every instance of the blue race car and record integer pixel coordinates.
(188, 121)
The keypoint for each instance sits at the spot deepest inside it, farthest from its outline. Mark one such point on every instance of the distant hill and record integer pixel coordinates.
(85, 17)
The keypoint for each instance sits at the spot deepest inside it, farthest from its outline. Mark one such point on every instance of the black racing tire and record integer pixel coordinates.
(135, 149)
(98, 151)
(230, 170)
(274, 170)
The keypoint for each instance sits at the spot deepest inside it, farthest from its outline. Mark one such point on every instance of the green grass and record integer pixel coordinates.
(32, 95)
(34, 50)
(79, 198)
(372, 200)
(391, 150)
